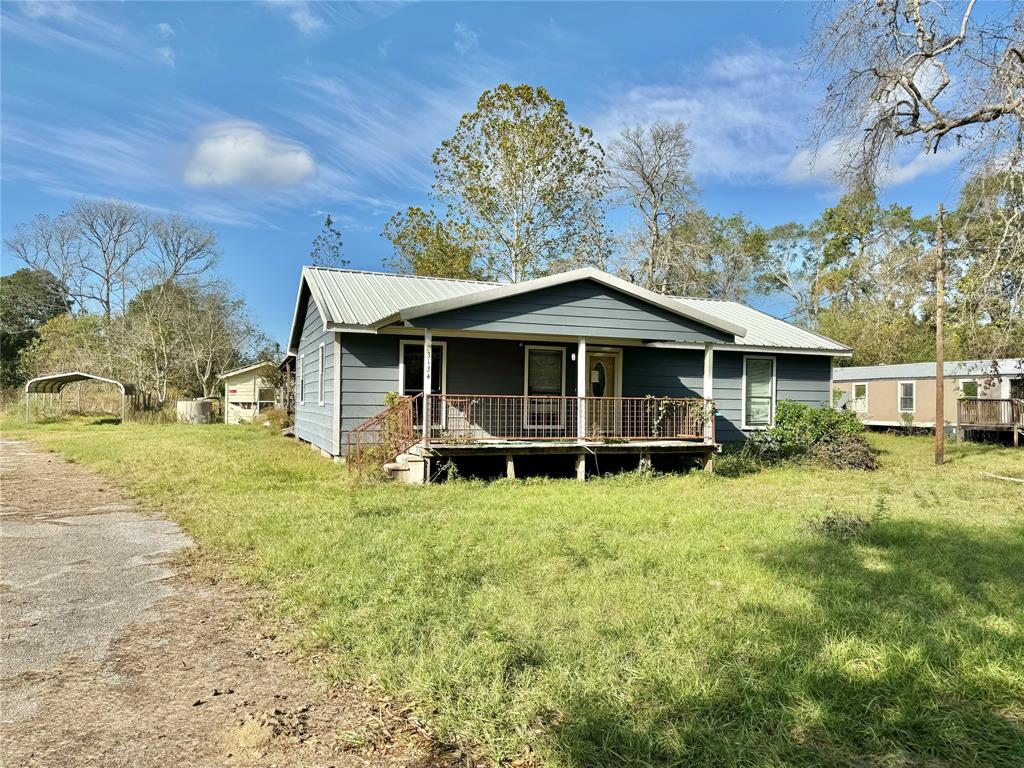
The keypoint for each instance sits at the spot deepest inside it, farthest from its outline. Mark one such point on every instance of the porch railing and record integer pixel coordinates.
(985, 412)
(474, 418)
(390, 433)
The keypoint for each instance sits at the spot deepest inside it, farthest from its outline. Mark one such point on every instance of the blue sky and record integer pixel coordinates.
(259, 118)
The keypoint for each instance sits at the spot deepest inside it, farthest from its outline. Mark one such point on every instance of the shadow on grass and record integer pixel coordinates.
(909, 651)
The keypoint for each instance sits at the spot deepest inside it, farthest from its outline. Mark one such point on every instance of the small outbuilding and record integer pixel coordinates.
(249, 390)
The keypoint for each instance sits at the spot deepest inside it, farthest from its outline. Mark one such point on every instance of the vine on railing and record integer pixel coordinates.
(383, 437)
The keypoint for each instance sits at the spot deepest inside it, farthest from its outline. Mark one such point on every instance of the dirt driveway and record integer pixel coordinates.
(122, 647)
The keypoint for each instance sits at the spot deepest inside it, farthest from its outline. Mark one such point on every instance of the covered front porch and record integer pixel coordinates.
(507, 398)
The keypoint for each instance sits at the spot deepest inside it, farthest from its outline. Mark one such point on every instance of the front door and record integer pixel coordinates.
(604, 415)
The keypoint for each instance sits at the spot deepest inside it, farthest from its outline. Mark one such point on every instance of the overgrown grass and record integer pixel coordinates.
(680, 620)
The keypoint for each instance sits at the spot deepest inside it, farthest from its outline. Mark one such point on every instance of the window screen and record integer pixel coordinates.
(760, 395)
(907, 397)
(412, 376)
(969, 388)
(544, 379)
(860, 397)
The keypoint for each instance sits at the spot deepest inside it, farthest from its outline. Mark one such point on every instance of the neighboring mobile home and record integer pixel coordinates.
(978, 395)
(247, 391)
(578, 363)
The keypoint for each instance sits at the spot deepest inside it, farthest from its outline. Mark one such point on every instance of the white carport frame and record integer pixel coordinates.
(55, 383)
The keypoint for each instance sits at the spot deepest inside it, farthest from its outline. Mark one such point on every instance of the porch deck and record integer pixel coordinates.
(990, 415)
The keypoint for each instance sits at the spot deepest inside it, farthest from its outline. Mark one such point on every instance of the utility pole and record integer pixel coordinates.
(940, 284)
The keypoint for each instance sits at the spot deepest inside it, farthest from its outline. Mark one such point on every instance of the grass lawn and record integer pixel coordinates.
(682, 620)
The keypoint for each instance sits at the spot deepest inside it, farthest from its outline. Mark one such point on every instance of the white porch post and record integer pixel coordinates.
(581, 389)
(428, 340)
(709, 385)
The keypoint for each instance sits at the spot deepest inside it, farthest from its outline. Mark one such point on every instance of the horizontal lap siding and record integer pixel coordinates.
(662, 372)
(803, 378)
(369, 371)
(584, 308)
(314, 423)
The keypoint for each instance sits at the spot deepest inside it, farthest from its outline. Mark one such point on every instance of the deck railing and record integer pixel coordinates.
(474, 418)
(388, 434)
(985, 412)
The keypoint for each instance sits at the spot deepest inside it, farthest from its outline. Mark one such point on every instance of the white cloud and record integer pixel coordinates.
(466, 39)
(166, 54)
(165, 29)
(746, 112)
(823, 165)
(301, 15)
(246, 155)
(384, 48)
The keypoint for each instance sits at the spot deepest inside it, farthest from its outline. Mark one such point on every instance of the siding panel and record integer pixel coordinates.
(314, 423)
(583, 308)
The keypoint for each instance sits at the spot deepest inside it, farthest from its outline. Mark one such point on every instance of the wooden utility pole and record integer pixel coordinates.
(940, 374)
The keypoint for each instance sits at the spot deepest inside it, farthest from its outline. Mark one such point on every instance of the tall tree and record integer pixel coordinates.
(650, 172)
(521, 180)
(425, 245)
(715, 256)
(326, 250)
(28, 299)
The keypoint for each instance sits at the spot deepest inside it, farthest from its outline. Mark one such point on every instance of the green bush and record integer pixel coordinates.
(834, 438)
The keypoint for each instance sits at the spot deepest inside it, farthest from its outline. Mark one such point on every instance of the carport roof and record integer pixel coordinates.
(55, 382)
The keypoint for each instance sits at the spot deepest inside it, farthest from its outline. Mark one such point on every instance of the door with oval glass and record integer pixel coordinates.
(604, 380)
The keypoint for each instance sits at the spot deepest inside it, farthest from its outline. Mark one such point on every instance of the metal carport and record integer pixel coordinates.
(54, 383)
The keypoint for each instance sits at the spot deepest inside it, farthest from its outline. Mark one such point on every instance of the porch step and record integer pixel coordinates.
(407, 469)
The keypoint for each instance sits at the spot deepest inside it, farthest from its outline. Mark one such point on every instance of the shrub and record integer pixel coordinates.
(847, 526)
(834, 438)
(274, 418)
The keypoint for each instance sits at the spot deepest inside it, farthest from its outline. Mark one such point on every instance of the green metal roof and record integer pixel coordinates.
(364, 300)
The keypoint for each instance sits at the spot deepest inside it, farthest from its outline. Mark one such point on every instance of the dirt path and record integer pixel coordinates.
(121, 648)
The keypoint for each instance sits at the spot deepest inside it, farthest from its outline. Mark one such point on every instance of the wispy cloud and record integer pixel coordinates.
(166, 54)
(384, 47)
(301, 15)
(746, 112)
(823, 165)
(247, 155)
(383, 127)
(165, 29)
(466, 39)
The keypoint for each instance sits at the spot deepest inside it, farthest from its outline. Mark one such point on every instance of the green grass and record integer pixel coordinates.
(684, 620)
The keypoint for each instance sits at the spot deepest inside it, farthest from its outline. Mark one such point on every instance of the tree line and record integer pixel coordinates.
(112, 289)
(521, 191)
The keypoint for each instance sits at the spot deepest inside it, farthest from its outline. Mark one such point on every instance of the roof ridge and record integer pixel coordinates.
(402, 274)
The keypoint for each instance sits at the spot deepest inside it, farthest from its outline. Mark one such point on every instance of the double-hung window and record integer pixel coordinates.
(300, 384)
(907, 395)
(860, 397)
(968, 388)
(545, 386)
(758, 392)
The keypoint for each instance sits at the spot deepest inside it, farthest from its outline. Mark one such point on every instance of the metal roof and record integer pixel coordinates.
(764, 330)
(55, 382)
(245, 368)
(952, 369)
(350, 297)
(365, 300)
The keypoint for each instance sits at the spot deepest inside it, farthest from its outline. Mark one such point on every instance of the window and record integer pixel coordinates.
(300, 383)
(320, 377)
(907, 391)
(860, 397)
(758, 392)
(545, 381)
(968, 388)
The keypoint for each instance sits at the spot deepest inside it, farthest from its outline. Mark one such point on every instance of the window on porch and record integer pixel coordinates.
(545, 386)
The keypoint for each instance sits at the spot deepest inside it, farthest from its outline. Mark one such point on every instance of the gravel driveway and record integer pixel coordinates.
(121, 646)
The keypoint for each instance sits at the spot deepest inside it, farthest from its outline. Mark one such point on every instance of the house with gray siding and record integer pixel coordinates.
(578, 363)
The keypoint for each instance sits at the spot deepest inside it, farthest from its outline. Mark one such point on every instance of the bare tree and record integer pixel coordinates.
(55, 246)
(113, 234)
(650, 169)
(903, 71)
(181, 249)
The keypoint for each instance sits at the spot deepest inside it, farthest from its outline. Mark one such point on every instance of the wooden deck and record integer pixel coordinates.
(990, 415)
